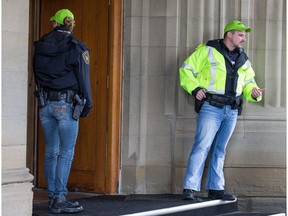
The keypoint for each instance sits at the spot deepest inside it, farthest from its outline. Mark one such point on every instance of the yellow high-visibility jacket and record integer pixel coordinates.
(209, 67)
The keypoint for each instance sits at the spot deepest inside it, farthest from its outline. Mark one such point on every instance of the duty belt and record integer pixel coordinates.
(66, 95)
(223, 100)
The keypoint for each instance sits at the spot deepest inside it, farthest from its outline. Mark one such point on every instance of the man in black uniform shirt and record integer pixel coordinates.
(62, 73)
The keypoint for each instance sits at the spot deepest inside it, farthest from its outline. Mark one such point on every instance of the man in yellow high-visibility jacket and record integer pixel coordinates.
(218, 74)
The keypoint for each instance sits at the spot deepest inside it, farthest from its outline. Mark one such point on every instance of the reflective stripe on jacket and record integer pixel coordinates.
(207, 68)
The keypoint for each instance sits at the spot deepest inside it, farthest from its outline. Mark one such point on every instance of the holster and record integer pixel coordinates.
(198, 105)
(238, 104)
(41, 96)
(78, 106)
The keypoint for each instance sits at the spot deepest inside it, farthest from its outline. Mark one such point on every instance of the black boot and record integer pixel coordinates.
(62, 205)
(188, 194)
(70, 203)
(220, 194)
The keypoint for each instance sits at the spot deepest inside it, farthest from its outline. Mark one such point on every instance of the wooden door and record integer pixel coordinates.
(89, 168)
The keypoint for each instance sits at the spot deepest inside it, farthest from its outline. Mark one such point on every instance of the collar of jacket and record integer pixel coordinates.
(219, 45)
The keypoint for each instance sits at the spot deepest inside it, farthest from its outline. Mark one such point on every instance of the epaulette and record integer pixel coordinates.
(80, 44)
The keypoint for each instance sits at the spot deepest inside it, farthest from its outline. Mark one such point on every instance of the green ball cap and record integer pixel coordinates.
(236, 25)
(61, 15)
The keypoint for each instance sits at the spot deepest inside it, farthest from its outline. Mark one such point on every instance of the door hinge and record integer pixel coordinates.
(109, 2)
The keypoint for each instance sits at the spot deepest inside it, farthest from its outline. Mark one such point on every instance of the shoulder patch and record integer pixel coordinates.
(86, 57)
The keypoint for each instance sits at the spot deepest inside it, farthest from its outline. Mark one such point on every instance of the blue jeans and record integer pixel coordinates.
(60, 133)
(214, 129)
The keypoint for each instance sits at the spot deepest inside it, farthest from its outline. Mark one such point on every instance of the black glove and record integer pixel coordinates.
(195, 91)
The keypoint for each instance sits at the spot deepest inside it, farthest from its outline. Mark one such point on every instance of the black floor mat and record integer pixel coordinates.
(103, 205)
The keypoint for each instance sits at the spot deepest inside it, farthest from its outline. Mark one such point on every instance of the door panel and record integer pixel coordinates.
(89, 165)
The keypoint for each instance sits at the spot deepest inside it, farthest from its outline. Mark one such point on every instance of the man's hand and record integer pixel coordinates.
(256, 92)
(201, 94)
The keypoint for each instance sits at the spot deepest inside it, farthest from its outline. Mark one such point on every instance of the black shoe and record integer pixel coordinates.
(220, 194)
(50, 202)
(61, 205)
(70, 203)
(188, 194)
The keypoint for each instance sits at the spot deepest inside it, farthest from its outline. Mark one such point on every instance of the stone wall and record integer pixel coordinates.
(17, 192)
(158, 116)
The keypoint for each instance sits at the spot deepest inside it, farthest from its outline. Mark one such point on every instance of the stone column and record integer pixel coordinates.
(17, 192)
